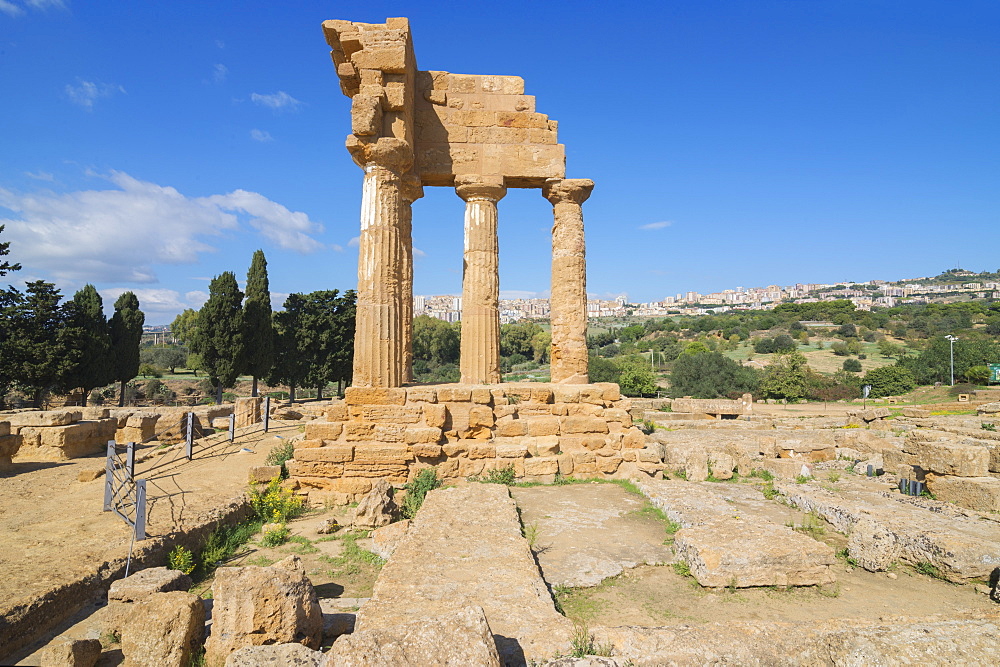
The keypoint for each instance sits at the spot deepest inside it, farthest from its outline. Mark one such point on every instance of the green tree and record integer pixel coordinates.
(11, 340)
(48, 353)
(257, 324)
(635, 378)
(185, 326)
(889, 381)
(164, 356)
(978, 374)
(126, 336)
(95, 368)
(603, 370)
(436, 341)
(785, 377)
(517, 337)
(889, 349)
(852, 365)
(219, 339)
(5, 266)
(711, 375)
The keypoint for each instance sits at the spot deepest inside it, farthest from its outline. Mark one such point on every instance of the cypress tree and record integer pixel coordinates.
(257, 326)
(46, 354)
(126, 336)
(6, 266)
(219, 338)
(93, 342)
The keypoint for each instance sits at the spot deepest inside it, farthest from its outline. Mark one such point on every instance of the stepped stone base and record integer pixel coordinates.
(464, 430)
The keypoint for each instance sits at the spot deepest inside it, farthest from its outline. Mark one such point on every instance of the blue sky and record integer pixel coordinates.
(151, 146)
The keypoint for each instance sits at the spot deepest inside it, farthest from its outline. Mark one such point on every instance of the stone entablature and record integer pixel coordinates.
(465, 430)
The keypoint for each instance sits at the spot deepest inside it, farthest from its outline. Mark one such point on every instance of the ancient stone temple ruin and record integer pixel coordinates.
(481, 135)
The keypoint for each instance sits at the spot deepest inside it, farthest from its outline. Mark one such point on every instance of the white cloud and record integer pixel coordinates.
(150, 300)
(219, 72)
(40, 176)
(288, 229)
(657, 225)
(354, 242)
(417, 252)
(522, 294)
(196, 299)
(337, 247)
(13, 9)
(119, 235)
(262, 136)
(278, 101)
(10, 9)
(85, 93)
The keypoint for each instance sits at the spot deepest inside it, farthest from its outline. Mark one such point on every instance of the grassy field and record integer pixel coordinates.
(823, 361)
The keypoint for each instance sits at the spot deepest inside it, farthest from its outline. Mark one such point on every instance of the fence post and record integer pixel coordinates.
(190, 435)
(109, 476)
(267, 413)
(140, 509)
(130, 459)
(232, 427)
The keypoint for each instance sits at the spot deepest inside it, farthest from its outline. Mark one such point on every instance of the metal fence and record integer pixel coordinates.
(123, 494)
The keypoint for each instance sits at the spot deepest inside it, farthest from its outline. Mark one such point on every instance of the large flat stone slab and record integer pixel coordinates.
(464, 549)
(962, 544)
(740, 553)
(588, 532)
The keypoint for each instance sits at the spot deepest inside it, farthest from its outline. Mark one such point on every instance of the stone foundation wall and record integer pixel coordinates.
(464, 430)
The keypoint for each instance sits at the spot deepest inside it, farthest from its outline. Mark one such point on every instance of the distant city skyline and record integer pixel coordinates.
(731, 143)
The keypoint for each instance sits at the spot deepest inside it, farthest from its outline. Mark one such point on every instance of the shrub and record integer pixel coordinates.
(840, 349)
(279, 454)
(273, 503)
(852, 365)
(181, 559)
(275, 537)
(711, 375)
(426, 480)
(889, 381)
(977, 374)
(503, 476)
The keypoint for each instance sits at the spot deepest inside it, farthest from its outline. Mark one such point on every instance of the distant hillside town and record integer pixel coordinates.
(952, 285)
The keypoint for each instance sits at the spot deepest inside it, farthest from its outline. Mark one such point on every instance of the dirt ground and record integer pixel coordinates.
(655, 596)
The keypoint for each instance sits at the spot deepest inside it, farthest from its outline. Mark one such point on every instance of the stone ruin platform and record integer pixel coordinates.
(539, 429)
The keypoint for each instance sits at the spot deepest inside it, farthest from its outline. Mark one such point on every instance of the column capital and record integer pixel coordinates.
(576, 190)
(411, 188)
(474, 187)
(388, 152)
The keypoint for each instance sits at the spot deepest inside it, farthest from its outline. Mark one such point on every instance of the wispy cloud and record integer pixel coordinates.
(262, 136)
(279, 101)
(336, 247)
(67, 234)
(14, 9)
(40, 176)
(417, 252)
(657, 225)
(85, 93)
(219, 72)
(354, 242)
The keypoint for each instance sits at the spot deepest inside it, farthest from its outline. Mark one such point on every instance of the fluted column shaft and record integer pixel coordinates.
(568, 301)
(378, 357)
(480, 361)
(412, 190)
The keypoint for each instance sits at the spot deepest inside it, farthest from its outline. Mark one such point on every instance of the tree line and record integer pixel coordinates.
(47, 344)
(310, 343)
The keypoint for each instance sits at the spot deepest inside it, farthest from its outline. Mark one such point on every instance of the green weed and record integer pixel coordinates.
(223, 543)
(929, 569)
(181, 559)
(303, 545)
(426, 480)
(682, 568)
(765, 475)
(279, 454)
(275, 537)
(583, 643)
(503, 476)
(273, 503)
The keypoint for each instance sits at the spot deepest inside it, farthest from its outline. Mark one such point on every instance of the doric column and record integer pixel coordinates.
(568, 301)
(480, 362)
(412, 191)
(378, 356)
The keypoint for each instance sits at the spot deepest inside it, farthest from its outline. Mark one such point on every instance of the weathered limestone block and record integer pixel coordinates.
(572, 425)
(376, 509)
(435, 416)
(57, 443)
(786, 468)
(263, 605)
(337, 413)
(975, 493)
(263, 474)
(742, 554)
(146, 582)
(917, 413)
(66, 652)
(358, 431)
(695, 467)
(482, 451)
(298, 470)
(722, 465)
(138, 427)
(328, 453)
(422, 435)
(9, 444)
(393, 414)
(426, 451)
(593, 394)
(275, 655)
(541, 465)
(462, 637)
(872, 545)
(387, 538)
(220, 423)
(509, 427)
(389, 433)
(374, 396)
(952, 458)
(542, 426)
(44, 418)
(421, 395)
(511, 451)
(164, 630)
(989, 408)
(454, 394)
(634, 439)
(608, 464)
(248, 410)
(317, 430)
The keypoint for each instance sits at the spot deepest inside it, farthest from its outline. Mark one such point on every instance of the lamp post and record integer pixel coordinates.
(951, 343)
